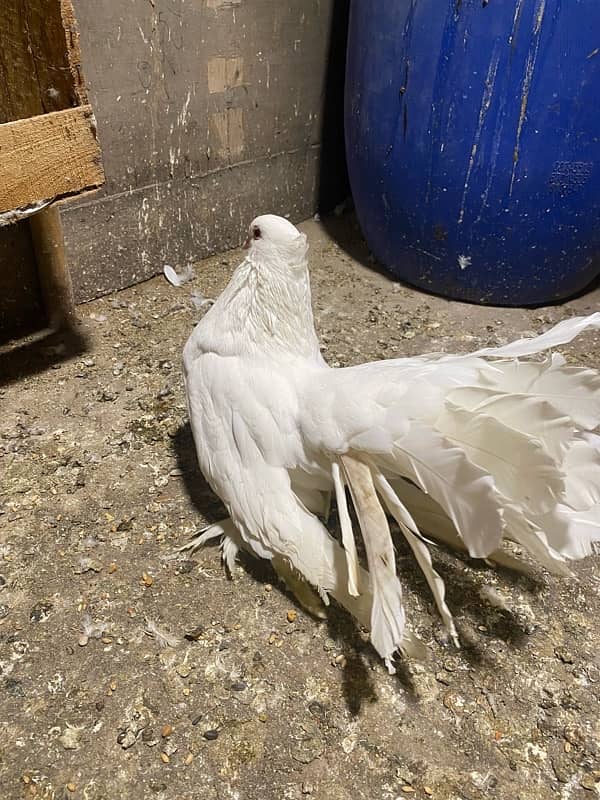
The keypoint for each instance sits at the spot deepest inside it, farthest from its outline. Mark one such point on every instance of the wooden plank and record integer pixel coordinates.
(39, 56)
(19, 90)
(48, 156)
(74, 51)
(164, 77)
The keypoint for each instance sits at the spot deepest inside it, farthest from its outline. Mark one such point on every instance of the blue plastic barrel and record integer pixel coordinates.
(472, 137)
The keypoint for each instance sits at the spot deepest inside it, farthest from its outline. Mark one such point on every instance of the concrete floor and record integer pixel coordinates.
(99, 487)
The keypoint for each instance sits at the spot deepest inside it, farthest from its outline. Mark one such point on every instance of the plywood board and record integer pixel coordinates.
(48, 156)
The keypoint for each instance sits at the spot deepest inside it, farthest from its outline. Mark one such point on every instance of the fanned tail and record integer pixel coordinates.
(443, 470)
(510, 456)
(431, 519)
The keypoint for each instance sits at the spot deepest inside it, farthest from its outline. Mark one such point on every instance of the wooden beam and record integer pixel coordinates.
(48, 156)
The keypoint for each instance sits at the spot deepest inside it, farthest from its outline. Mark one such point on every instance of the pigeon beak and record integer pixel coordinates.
(246, 244)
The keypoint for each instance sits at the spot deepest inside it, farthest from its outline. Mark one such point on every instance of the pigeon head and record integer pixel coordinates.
(266, 307)
(274, 238)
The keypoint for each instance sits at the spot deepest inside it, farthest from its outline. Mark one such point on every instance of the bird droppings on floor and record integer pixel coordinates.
(130, 670)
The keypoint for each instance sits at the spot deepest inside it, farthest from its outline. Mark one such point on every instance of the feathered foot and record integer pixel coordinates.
(301, 589)
(231, 541)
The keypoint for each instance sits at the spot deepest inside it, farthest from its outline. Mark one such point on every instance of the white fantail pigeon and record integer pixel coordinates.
(470, 449)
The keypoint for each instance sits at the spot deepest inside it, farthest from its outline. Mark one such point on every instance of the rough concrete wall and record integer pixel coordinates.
(209, 112)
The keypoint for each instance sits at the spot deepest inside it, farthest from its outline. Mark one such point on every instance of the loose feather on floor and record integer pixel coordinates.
(472, 450)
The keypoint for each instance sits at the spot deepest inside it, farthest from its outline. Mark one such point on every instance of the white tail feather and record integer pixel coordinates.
(529, 415)
(430, 517)
(582, 473)
(562, 333)
(573, 391)
(533, 539)
(387, 614)
(521, 468)
(465, 491)
(574, 534)
(409, 528)
(347, 532)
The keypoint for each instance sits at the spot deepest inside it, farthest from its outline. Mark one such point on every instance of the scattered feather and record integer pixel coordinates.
(87, 564)
(69, 738)
(175, 279)
(91, 629)
(199, 301)
(89, 541)
(493, 597)
(162, 637)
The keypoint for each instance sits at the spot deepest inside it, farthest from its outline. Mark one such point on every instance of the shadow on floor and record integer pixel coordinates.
(39, 352)
(199, 492)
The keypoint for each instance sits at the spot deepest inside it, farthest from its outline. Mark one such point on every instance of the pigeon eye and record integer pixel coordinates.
(256, 233)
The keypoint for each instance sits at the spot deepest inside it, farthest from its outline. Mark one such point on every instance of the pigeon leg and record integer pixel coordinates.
(301, 589)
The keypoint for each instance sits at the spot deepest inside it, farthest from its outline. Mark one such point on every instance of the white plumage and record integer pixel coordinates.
(470, 449)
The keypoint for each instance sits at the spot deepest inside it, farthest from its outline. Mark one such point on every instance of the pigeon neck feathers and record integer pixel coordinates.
(265, 310)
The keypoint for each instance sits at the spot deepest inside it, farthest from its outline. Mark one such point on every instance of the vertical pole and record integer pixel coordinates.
(53, 273)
